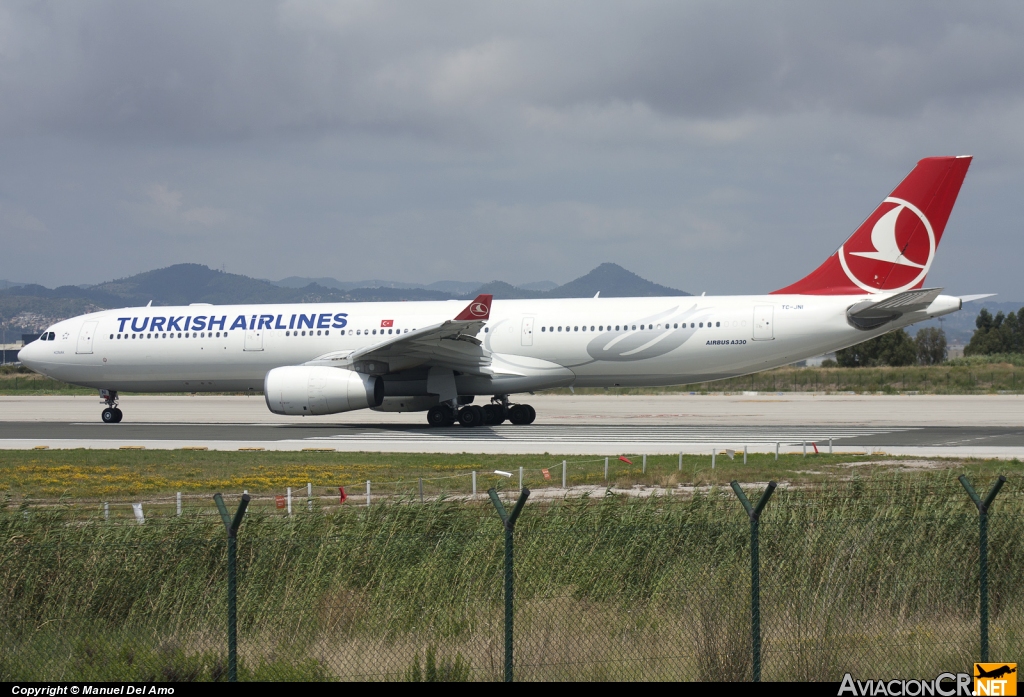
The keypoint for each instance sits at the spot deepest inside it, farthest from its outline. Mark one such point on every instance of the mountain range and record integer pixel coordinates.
(31, 307)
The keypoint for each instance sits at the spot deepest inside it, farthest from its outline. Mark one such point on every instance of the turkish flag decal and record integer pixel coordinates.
(387, 323)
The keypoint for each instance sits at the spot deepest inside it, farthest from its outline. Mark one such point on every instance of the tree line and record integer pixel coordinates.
(997, 334)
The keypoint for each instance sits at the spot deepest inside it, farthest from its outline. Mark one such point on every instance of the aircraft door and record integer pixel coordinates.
(85, 337)
(527, 331)
(254, 340)
(764, 320)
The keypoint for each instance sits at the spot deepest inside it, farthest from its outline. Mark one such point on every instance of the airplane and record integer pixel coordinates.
(327, 358)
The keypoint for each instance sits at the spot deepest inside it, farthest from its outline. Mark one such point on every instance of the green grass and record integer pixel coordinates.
(964, 376)
(155, 476)
(876, 575)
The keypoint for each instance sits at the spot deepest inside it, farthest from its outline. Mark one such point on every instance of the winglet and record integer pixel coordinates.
(480, 308)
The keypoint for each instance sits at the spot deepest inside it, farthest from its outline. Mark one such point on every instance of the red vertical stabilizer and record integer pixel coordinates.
(894, 248)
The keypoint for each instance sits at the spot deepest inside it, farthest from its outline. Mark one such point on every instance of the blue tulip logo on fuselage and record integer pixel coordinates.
(659, 336)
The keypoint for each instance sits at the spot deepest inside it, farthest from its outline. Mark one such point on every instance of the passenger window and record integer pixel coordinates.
(559, 329)
(634, 327)
(718, 324)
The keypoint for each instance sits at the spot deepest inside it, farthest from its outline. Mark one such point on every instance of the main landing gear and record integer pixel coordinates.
(493, 414)
(110, 415)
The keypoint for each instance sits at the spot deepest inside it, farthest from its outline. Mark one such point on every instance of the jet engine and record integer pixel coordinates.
(311, 390)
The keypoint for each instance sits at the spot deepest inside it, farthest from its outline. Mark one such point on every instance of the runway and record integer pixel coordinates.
(972, 426)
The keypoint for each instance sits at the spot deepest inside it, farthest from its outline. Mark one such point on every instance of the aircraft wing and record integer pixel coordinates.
(451, 344)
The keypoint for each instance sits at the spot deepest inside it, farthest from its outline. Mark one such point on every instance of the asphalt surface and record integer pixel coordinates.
(983, 426)
(858, 436)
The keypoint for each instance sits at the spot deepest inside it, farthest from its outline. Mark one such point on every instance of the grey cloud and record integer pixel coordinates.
(725, 147)
(239, 69)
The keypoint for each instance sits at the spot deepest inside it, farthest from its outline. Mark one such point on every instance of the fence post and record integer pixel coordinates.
(805, 448)
(983, 507)
(606, 469)
(508, 520)
(179, 503)
(232, 529)
(643, 469)
(712, 458)
(474, 483)
(106, 511)
(563, 476)
(520, 477)
(367, 493)
(754, 513)
(289, 501)
(309, 496)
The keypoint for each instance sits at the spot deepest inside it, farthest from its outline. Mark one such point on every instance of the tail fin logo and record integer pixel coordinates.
(479, 310)
(893, 249)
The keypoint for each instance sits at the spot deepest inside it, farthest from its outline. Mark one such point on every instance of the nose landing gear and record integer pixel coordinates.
(110, 415)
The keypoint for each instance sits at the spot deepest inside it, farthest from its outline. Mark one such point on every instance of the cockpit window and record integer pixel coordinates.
(52, 336)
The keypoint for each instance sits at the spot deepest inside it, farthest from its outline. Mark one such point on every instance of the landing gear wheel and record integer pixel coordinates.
(519, 415)
(439, 416)
(493, 415)
(109, 416)
(532, 412)
(118, 415)
(471, 416)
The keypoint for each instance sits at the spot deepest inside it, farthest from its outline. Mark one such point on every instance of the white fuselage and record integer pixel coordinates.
(594, 342)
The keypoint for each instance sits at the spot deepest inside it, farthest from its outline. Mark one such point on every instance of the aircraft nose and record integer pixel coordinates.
(29, 354)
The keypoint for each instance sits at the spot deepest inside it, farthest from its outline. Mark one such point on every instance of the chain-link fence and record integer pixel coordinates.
(876, 577)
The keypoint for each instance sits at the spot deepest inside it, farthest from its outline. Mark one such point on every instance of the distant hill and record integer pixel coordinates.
(31, 308)
(611, 281)
(450, 287)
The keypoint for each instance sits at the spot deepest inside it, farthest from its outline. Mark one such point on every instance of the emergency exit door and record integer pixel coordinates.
(764, 321)
(85, 337)
(254, 340)
(527, 331)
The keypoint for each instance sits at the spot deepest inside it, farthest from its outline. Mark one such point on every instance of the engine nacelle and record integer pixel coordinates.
(312, 390)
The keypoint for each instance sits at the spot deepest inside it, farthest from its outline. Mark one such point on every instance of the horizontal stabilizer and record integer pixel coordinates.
(972, 298)
(870, 314)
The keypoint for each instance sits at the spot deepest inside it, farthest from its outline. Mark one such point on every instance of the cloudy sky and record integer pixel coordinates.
(710, 146)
